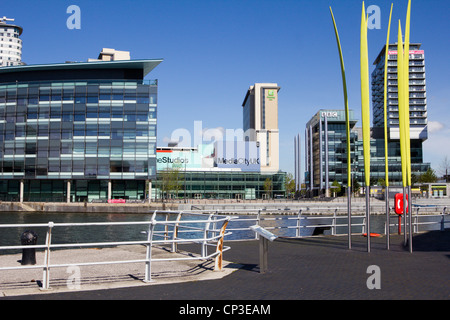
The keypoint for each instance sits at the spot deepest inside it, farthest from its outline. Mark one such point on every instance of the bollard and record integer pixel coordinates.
(28, 255)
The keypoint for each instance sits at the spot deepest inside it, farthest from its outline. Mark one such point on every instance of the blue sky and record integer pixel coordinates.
(213, 50)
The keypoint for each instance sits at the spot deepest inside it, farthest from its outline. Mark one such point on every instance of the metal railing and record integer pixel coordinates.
(209, 228)
(297, 222)
(288, 220)
(209, 236)
(418, 218)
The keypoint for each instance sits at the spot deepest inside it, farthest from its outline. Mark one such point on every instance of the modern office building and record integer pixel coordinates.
(326, 150)
(260, 111)
(10, 43)
(219, 170)
(417, 93)
(77, 131)
(326, 154)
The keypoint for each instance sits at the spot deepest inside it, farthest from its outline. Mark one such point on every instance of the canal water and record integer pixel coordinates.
(282, 225)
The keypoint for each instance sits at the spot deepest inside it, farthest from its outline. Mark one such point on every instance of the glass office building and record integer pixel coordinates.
(326, 150)
(221, 185)
(77, 131)
(326, 154)
(200, 173)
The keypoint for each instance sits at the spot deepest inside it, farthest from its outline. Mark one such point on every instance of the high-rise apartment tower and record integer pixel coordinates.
(10, 43)
(417, 93)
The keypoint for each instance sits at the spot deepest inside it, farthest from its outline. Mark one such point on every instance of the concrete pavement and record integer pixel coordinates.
(319, 268)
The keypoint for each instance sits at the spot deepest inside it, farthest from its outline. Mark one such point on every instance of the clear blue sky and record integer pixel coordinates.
(213, 50)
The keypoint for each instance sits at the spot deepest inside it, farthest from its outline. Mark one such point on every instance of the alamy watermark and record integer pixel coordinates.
(374, 281)
(373, 17)
(74, 280)
(74, 20)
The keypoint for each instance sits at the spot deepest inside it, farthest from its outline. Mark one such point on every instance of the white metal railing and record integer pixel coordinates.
(210, 236)
(320, 218)
(209, 228)
(293, 219)
(417, 219)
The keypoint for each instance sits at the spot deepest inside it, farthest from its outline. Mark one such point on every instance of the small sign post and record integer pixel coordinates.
(264, 238)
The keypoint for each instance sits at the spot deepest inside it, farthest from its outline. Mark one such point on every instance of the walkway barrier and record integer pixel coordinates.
(302, 222)
(206, 230)
(283, 222)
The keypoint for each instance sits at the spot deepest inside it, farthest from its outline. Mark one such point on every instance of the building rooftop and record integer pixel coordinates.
(416, 46)
(126, 69)
(4, 23)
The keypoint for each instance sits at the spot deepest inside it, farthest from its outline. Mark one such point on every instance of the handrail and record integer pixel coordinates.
(212, 233)
(259, 216)
(209, 237)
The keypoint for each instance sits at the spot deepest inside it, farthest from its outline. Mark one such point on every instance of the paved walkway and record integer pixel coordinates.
(312, 269)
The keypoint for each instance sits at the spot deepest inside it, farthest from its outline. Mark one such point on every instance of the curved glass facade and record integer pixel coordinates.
(219, 185)
(87, 132)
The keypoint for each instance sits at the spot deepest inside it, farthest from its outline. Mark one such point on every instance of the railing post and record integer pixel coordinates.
(334, 222)
(205, 236)
(443, 219)
(364, 225)
(166, 227)
(219, 258)
(258, 223)
(214, 226)
(148, 258)
(46, 274)
(299, 219)
(175, 232)
(416, 221)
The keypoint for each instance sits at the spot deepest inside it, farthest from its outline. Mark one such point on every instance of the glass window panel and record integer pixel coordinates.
(79, 117)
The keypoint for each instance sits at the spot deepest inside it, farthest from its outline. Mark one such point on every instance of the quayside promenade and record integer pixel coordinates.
(316, 206)
(318, 268)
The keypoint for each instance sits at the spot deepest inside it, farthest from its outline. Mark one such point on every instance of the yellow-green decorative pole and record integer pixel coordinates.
(347, 121)
(401, 116)
(386, 153)
(407, 129)
(365, 115)
(401, 101)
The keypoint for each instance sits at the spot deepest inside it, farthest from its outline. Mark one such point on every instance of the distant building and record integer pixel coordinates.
(417, 93)
(260, 111)
(326, 150)
(112, 55)
(10, 43)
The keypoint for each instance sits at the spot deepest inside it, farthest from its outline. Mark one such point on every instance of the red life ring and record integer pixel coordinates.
(372, 235)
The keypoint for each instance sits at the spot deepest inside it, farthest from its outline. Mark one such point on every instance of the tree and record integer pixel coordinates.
(444, 169)
(336, 187)
(428, 177)
(268, 187)
(289, 184)
(170, 181)
(355, 186)
(381, 182)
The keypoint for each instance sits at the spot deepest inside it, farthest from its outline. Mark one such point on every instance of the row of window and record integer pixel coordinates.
(78, 130)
